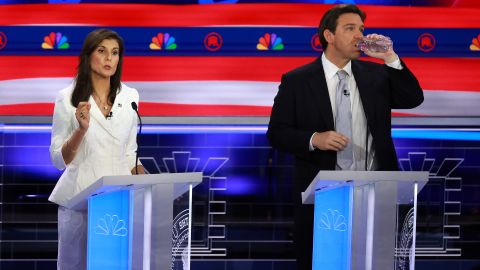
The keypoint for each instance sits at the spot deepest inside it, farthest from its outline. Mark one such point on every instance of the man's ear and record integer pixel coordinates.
(329, 36)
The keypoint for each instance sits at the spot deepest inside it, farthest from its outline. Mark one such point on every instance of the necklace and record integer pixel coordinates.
(102, 105)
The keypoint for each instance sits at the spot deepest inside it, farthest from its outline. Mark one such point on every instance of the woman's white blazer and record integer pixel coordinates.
(108, 148)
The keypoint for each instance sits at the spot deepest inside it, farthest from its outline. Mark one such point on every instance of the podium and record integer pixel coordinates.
(131, 222)
(364, 220)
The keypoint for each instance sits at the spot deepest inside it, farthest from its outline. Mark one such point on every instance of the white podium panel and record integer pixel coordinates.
(130, 221)
(364, 220)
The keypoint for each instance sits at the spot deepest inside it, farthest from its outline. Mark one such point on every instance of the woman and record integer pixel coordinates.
(93, 135)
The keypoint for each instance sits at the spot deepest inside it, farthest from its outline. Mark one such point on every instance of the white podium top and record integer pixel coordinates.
(108, 184)
(334, 179)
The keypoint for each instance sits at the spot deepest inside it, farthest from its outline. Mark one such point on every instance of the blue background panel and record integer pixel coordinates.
(258, 194)
(237, 41)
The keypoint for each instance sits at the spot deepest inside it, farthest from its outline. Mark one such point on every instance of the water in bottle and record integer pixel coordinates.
(375, 44)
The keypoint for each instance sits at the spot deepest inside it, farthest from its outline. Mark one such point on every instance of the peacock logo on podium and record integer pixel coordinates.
(111, 225)
(332, 220)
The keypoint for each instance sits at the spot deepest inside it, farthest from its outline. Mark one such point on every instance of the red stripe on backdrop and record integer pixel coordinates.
(33, 109)
(150, 109)
(241, 14)
(455, 74)
(156, 109)
(24, 67)
(165, 109)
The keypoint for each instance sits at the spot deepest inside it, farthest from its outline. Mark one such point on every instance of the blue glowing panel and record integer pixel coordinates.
(109, 227)
(332, 229)
(437, 134)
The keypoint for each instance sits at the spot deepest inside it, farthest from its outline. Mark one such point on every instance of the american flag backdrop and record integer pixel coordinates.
(226, 60)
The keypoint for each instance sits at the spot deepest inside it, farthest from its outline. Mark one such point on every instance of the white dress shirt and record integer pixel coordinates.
(359, 121)
(108, 148)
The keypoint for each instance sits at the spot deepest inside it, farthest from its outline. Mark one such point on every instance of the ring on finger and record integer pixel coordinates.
(81, 114)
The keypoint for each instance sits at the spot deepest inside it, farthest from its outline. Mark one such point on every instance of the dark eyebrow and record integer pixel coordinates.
(103, 47)
(351, 24)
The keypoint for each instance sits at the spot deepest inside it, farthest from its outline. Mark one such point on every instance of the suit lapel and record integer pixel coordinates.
(319, 92)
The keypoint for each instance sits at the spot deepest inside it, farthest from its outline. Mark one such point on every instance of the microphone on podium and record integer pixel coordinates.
(135, 108)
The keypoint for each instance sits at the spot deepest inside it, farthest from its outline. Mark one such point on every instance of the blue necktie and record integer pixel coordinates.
(343, 120)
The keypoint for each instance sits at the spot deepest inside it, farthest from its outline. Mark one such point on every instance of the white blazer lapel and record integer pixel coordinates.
(98, 116)
(118, 106)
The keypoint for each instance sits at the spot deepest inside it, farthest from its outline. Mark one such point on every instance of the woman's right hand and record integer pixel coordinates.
(83, 114)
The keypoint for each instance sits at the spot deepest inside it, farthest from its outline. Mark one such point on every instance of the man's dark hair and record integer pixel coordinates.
(330, 20)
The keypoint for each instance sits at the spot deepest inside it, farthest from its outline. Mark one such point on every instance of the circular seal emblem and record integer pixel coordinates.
(315, 43)
(213, 41)
(3, 40)
(426, 42)
(180, 235)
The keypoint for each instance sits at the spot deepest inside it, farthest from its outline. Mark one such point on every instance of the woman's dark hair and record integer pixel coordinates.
(83, 80)
(330, 20)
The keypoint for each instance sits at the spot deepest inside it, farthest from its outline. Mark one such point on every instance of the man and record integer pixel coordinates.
(346, 131)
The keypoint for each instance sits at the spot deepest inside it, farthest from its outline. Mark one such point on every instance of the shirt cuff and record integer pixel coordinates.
(310, 146)
(396, 64)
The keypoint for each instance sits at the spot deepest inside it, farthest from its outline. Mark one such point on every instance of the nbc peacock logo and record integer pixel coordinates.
(270, 42)
(55, 41)
(163, 41)
(475, 46)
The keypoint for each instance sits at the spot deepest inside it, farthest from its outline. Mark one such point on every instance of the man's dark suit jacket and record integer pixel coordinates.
(302, 107)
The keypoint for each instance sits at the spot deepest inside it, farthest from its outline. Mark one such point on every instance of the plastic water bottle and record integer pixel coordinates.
(375, 44)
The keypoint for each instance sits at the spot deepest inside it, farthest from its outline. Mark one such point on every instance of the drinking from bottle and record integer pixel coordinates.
(381, 44)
